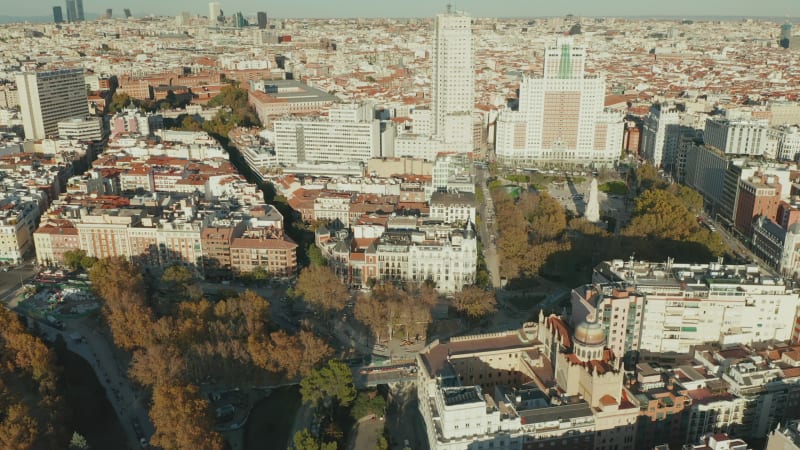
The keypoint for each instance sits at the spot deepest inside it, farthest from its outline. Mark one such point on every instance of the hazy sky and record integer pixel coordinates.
(425, 8)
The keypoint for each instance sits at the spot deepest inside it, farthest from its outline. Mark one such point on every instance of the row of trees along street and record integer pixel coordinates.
(538, 237)
(179, 339)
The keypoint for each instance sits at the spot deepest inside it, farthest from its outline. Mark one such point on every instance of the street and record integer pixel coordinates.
(487, 230)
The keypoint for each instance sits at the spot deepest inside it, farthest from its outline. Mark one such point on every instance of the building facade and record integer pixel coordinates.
(561, 118)
(453, 84)
(46, 98)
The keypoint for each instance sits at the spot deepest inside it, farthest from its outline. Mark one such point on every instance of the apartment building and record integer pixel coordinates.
(18, 219)
(455, 208)
(278, 256)
(82, 129)
(51, 240)
(669, 307)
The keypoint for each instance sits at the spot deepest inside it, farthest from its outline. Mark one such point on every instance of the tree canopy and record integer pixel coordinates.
(332, 382)
(182, 420)
(386, 308)
(475, 302)
(31, 410)
(321, 289)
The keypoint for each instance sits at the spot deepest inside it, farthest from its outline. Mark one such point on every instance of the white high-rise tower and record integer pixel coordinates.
(453, 81)
(213, 12)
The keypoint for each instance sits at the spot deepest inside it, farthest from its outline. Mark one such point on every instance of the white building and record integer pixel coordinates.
(452, 173)
(17, 224)
(213, 12)
(737, 136)
(458, 207)
(349, 134)
(88, 129)
(47, 98)
(453, 81)
(561, 118)
(692, 304)
(787, 142)
(659, 137)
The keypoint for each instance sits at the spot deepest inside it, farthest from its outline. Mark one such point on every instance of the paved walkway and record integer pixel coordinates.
(123, 395)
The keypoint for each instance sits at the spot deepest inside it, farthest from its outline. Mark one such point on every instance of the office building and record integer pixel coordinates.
(79, 10)
(449, 126)
(127, 13)
(58, 17)
(108, 14)
(72, 11)
(280, 97)
(239, 20)
(349, 134)
(787, 140)
(453, 86)
(214, 12)
(737, 137)
(660, 133)
(704, 170)
(47, 98)
(561, 118)
(786, 35)
(262, 20)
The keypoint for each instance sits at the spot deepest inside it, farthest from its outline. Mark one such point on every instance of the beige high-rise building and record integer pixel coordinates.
(47, 98)
(561, 118)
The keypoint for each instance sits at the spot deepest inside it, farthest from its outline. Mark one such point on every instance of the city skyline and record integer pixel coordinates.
(418, 8)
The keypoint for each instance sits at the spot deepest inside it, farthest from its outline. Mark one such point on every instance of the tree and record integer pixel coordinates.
(182, 419)
(177, 275)
(475, 302)
(294, 355)
(31, 409)
(120, 284)
(332, 382)
(158, 365)
(368, 403)
(189, 123)
(304, 440)
(72, 258)
(659, 214)
(547, 220)
(118, 102)
(690, 198)
(647, 177)
(319, 287)
(315, 257)
(78, 442)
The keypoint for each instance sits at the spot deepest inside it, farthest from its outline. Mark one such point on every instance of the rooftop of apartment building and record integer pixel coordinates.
(453, 198)
(291, 91)
(684, 276)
